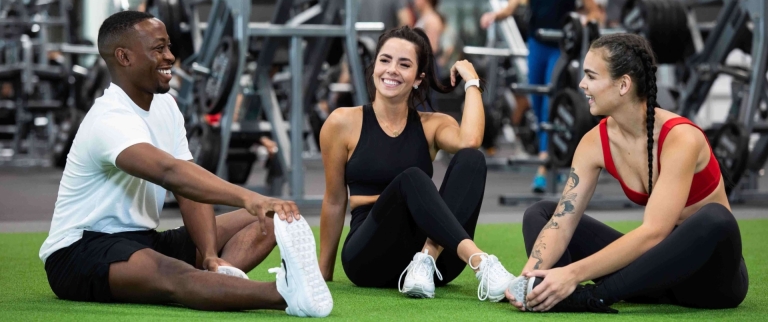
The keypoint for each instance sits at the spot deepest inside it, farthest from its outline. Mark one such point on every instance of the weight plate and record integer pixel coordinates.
(526, 132)
(570, 119)
(730, 144)
(205, 145)
(214, 89)
(175, 16)
(570, 44)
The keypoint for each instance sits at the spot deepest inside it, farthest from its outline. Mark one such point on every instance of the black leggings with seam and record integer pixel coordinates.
(411, 209)
(699, 264)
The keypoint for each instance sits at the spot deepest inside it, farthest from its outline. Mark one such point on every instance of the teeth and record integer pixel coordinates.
(390, 82)
(164, 71)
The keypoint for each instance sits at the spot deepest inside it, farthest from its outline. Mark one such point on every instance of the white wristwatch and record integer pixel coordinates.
(472, 82)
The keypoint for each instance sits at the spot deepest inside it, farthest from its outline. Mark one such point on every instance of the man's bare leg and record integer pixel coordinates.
(240, 240)
(150, 277)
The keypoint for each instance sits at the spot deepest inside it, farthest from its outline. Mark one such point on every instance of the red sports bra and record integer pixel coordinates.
(704, 182)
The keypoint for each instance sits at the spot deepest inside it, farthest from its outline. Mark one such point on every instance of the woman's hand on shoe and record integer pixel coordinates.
(558, 284)
(513, 301)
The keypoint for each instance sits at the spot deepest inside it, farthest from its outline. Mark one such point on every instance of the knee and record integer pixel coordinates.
(472, 157)
(540, 210)
(538, 214)
(714, 218)
(269, 238)
(414, 173)
(174, 275)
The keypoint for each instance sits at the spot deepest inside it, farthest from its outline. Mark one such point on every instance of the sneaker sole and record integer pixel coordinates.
(418, 292)
(297, 248)
(520, 289)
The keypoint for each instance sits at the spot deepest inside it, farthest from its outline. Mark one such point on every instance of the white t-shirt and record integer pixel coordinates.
(94, 194)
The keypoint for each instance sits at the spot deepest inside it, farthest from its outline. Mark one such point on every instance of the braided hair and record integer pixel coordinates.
(629, 54)
(425, 64)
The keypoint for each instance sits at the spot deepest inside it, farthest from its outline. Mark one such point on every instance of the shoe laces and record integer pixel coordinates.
(422, 266)
(490, 269)
(277, 270)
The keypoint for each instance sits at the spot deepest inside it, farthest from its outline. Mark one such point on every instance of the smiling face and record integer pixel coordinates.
(605, 94)
(150, 69)
(394, 73)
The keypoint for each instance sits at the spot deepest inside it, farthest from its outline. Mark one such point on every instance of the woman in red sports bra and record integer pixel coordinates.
(688, 249)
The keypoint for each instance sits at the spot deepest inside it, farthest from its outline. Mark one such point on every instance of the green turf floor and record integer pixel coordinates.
(25, 295)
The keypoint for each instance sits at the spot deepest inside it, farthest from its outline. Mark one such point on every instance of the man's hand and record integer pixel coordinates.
(212, 263)
(267, 207)
(558, 284)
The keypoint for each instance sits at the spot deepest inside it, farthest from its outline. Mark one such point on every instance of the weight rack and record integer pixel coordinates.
(258, 83)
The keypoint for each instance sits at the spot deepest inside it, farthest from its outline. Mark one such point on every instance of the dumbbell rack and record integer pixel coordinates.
(25, 62)
(733, 24)
(258, 85)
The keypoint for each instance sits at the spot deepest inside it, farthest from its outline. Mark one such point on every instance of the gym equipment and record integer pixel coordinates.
(218, 83)
(730, 144)
(65, 135)
(45, 90)
(664, 23)
(176, 17)
(214, 78)
(738, 22)
(569, 112)
(569, 119)
(205, 145)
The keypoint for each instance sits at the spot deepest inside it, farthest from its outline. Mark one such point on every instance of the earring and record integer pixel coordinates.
(415, 86)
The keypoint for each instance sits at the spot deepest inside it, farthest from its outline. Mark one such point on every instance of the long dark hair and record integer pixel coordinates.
(629, 54)
(425, 64)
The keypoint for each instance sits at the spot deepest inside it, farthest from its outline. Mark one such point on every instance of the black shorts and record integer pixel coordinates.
(80, 272)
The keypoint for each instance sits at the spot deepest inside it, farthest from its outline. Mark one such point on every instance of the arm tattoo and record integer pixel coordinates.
(537, 252)
(552, 224)
(564, 207)
(566, 202)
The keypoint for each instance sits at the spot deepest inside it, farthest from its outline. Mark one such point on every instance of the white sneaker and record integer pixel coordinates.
(493, 277)
(419, 282)
(520, 287)
(231, 271)
(299, 281)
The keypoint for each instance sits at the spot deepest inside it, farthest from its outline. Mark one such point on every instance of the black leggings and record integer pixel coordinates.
(698, 265)
(409, 211)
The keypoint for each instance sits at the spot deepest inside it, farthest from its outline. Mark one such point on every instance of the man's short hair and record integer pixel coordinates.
(116, 25)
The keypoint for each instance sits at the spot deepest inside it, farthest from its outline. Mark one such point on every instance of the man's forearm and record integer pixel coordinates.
(195, 183)
(200, 221)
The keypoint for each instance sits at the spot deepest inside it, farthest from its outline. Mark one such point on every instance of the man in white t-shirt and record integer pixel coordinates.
(130, 148)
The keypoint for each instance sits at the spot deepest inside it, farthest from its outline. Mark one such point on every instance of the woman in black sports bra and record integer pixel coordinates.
(402, 225)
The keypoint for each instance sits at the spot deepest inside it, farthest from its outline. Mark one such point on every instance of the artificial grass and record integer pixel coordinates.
(26, 296)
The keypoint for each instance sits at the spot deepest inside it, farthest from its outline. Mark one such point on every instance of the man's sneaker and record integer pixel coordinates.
(231, 271)
(520, 287)
(493, 277)
(582, 299)
(299, 281)
(419, 280)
